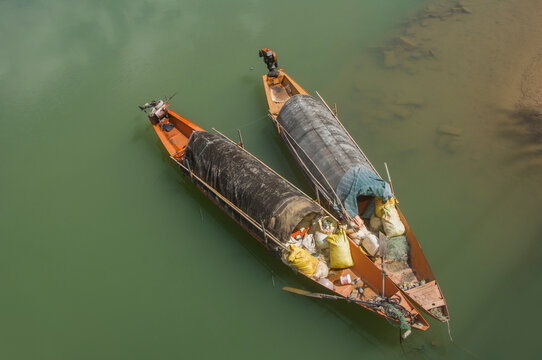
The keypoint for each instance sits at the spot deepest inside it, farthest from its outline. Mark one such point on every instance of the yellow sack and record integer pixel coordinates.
(339, 251)
(391, 222)
(379, 205)
(302, 260)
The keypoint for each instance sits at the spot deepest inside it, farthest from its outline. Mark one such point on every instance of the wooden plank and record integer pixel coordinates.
(428, 295)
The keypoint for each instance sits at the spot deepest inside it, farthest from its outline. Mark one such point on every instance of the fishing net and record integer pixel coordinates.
(397, 249)
(394, 313)
(393, 310)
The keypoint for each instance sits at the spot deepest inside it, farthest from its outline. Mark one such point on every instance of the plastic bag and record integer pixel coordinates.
(302, 260)
(375, 223)
(339, 251)
(360, 234)
(320, 240)
(326, 225)
(391, 222)
(308, 243)
(370, 244)
(356, 241)
(379, 205)
(321, 271)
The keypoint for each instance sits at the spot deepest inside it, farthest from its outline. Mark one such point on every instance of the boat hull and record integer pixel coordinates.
(427, 297)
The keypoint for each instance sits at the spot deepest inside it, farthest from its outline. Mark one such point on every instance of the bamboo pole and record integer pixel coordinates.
(389, 179)
(241, 144)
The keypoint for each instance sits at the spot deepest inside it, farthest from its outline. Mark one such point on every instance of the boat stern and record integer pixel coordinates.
(429, 297)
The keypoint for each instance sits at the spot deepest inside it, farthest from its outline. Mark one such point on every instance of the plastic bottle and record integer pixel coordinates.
(346, 279)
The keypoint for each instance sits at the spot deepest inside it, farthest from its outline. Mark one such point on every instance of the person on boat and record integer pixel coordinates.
(270, 59)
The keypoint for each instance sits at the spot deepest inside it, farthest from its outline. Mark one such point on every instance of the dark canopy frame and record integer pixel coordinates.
(327, 154)
(254, 188)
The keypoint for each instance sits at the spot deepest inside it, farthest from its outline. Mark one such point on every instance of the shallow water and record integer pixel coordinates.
(108, 253)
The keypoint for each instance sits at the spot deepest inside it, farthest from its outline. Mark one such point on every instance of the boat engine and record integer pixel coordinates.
(159, 110)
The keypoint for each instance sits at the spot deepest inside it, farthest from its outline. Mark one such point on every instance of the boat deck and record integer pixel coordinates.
(176, 139)
(279, 90)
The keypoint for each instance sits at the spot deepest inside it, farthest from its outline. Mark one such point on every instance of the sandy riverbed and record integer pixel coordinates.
(465, 75)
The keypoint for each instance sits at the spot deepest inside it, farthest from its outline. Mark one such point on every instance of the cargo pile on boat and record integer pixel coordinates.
(320, 243)
(311, 242)
(352, 241)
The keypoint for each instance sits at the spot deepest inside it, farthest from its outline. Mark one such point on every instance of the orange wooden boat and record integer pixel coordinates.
(281, 89)
(187, 142)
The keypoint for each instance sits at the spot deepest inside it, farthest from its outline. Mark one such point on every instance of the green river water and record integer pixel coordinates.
(106, 252)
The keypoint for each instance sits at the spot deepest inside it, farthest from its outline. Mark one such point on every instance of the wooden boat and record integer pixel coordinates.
(185, 142)
(282, 89)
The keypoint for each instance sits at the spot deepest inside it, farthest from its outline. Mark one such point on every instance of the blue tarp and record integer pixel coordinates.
(357, 181)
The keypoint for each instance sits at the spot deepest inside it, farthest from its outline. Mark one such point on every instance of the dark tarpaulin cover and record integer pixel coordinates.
(247, 183)
(319, 143)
